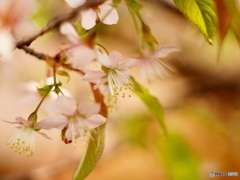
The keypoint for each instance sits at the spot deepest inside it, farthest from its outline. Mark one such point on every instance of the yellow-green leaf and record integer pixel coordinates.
(152, 103)
(93, 153)
(201, 13)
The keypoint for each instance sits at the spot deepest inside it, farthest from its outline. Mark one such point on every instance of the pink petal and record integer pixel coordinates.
(82, 55)
(129, 63)
(44, 135)
(68, 30)
(89, 18)
(93, 76)
(75, 3)
(88, 109)
(164, 51)
(55, 122)
(105, 60)
(23, 121)
(115, 57)
(9, 43)
(94, 121)
(66, 106)
(108, 15)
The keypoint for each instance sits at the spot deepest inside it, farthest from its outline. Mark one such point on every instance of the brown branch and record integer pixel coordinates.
(57, 21)
(38, 55)
(69, 67)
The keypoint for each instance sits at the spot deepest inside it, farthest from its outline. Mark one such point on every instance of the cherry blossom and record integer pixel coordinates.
(113, 74)
(14, 23)
(78, 119)
(81, 54)
(105, 12)
(23, 141)
(152, 65)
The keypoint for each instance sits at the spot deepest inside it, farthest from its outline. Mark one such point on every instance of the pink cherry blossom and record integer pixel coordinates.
(23, 141)
(113, 74)
(14, 22)
(78, 119)
(152, 65)
(105, 12)
(80, 54)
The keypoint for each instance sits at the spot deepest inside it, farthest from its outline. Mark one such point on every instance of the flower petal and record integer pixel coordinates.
(94, 121)
(105, 60)
(129, 63)
(23, 121)
(115, 57)
(65, 105)
(164, 51)
(55, 122)
(89, 18)
(88, 109)
(9, 44)
(44, 135)
(93, 76)
(68, 30)
(108, 15)
(75, 3)
(82, 55)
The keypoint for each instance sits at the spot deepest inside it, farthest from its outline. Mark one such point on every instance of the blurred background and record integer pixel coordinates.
(201, 102)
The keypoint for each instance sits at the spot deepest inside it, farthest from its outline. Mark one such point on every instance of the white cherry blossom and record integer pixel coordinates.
(104, 12)
(152, 65)
(113, 74)
(23, 141)
(78, 119)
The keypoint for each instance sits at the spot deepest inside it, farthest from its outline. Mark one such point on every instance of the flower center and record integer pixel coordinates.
(23, 141)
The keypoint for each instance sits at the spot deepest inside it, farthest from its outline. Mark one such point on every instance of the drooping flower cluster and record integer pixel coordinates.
(74, 119)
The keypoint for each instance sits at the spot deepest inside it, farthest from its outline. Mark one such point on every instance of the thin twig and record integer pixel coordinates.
(57, 21)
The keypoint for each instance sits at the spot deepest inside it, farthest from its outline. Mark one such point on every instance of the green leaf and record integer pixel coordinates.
(235, 17)
(44, 90)
(134, 5)
(64, 73)
(93, 153)
(201, 13)
(152, 103)
(180, 160)
(148, 40)
(116, 3)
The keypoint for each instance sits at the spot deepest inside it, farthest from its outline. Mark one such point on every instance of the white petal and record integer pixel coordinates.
(68, 30)
(108, 15)
(75, 3)
(89, 18)
(55, 122)
(88, 109)
(66, 106)
(9, 44)
(94, 121)
(82, 56)
(93, 76)
(164, 51)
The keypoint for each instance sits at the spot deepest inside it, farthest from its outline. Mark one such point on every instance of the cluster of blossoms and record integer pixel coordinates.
(75, 119)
